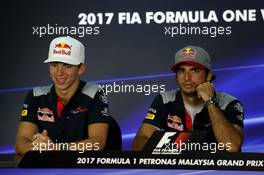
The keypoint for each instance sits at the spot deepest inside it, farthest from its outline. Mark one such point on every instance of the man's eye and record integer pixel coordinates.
(180, 71)
(196, 70)
(68, 65)
(53, 64)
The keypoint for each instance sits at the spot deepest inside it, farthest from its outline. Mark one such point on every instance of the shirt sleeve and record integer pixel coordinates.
(29, 111)
(99, 112)
(235, 113)
(156, 113)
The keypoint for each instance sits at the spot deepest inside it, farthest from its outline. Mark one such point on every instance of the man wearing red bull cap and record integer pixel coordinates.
(70, 111)
(195, 105)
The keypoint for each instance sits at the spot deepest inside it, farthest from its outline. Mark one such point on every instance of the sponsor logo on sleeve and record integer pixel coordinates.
(24, 112)
(152, 110)
(103, 98)
(238, 107)
(240, 117)
(150, 116)
(105, 112)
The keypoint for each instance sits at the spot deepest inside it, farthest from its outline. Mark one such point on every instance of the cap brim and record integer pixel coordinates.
(195, 64)
(62, 60)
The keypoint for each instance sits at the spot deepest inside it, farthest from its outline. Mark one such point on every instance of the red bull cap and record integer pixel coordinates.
(66, 50)
(193, 55)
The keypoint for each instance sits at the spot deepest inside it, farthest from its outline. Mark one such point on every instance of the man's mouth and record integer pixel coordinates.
(61, 80)
(187, 85)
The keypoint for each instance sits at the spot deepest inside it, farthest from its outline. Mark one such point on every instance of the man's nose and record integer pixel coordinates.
(187, 76)
(60, 69)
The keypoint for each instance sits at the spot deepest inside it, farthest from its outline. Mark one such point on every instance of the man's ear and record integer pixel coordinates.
(209, 76)
(81, 69)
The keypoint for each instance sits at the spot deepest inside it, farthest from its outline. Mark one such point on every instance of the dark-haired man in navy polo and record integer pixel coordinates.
(195, 105)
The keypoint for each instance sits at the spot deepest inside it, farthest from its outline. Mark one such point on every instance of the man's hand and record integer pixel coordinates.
(205, 91)
(224, 131)
(40, 141)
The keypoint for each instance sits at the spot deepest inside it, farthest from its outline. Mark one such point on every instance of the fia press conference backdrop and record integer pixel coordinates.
(133, 43)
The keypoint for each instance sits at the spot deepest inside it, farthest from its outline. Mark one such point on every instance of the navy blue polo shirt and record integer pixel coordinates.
(167, 112)
(87, 106)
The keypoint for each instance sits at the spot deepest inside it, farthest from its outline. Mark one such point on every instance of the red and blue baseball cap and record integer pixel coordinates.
(193, 55)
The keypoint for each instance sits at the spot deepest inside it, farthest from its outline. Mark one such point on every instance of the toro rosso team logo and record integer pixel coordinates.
(175, 122)
(188, 52)
(45, 114)
(62, 49)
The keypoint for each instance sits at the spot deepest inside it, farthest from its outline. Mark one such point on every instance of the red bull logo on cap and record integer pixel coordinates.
(63, 45)
(188, 52)
(62, 49)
